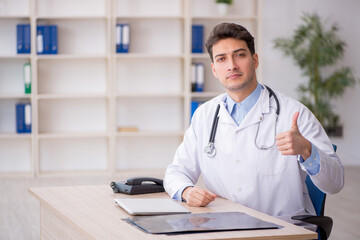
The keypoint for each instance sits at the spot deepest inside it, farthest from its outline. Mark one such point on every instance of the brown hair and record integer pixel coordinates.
(229, 30)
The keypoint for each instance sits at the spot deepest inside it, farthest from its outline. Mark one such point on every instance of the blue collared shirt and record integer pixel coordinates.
(238, 111)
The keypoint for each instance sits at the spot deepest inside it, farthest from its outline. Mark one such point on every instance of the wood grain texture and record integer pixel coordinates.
(20, 211)
(90, 212)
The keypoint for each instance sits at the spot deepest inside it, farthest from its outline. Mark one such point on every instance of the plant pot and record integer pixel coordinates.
(336, 131)
(223, 8)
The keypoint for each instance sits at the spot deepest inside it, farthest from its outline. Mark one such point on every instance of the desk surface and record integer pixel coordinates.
(89, 212)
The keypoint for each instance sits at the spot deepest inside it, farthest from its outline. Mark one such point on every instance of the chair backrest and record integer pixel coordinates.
(316, 195)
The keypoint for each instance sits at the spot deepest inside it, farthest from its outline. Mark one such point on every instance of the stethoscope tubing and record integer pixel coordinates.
(210, 148)
(214, 125)
(276, 99)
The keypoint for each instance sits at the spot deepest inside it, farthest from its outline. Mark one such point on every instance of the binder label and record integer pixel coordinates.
(27, 114)
(39, 43)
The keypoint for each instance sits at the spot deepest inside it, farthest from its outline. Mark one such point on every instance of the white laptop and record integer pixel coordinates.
(151, 206)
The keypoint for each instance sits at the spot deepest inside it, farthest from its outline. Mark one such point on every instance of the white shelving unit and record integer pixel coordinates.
(82, 95)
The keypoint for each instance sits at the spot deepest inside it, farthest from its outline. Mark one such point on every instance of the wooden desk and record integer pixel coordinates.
(89, 212)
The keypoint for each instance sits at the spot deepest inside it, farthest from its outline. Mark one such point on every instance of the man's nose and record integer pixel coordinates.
(232, 65)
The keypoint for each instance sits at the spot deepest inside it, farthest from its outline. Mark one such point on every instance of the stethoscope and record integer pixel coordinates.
(210, 149)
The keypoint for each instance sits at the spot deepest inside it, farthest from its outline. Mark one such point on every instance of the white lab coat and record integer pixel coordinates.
(263, 180)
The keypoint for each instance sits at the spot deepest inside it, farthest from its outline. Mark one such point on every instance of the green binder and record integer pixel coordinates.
(27, 78)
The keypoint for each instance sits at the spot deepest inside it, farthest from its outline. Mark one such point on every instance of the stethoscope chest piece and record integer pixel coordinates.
(210, 150)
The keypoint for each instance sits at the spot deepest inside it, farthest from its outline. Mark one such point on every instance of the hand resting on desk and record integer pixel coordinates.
(198, 197)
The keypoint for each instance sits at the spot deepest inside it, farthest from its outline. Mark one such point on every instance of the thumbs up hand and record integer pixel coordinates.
(292, 142)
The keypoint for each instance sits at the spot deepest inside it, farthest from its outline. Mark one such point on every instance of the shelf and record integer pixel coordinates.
(143, 8)
(81, 95)
(71, 96)
(162, 37)
(149, 95)
(14, 96)
(133, 152)
(149, 17)
(15, 136)
(13, 16)
(73, 154)
(70, 56)
(227, 17)
(149, 133)
(73, 173)
(71, 9)
(20, 56)
(66, 17)
(20, 174)
(72, 135)
(80, 38)
(148, 56)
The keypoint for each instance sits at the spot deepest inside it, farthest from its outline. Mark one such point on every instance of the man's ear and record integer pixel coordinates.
(213, 70)
(256, 60)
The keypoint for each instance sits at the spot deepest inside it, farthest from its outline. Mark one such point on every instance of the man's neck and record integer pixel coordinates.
(240, 95)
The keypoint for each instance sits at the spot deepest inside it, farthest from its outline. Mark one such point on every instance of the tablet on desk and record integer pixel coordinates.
(151, 206)
(200, 222)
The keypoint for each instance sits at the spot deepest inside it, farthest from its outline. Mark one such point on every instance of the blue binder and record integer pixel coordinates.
(20, 38)
(26, 36)
(23, 38)
(197, 38)
(23, 118)
(53, 39)
(47, 39)
(122, 38)
(46, 42)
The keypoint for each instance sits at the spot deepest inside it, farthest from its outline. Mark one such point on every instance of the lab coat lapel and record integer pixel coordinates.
(255, 115)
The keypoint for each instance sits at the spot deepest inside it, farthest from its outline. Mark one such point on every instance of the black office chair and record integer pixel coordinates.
(318, 198)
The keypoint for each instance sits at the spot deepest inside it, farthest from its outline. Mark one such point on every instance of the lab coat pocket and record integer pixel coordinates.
(270, 162)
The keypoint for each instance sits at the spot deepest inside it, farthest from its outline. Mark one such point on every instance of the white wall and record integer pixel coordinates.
(279, 19)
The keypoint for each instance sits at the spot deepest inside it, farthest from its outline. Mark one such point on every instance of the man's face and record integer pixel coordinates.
(234, 65)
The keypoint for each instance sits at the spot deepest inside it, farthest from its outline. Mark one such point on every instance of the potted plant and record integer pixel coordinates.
(315, 50)
(223, 6)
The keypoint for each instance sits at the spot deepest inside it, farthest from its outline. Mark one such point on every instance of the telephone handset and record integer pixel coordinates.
(138, 185)
(144, 180)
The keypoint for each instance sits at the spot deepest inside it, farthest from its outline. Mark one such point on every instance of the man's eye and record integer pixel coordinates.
(220, 59)
(241, 55)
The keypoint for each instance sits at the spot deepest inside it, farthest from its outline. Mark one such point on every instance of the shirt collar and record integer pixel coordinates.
(247, 103)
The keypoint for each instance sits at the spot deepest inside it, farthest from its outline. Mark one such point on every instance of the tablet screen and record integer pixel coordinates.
(201, 222)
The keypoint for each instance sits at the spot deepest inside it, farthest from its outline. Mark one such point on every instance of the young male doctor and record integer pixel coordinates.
(260, 160)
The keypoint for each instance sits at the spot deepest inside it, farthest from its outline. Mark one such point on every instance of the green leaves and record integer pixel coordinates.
(224, 1)
(339, 81)
(314, 47)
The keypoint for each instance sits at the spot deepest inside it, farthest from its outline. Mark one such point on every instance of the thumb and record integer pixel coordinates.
(294, 121)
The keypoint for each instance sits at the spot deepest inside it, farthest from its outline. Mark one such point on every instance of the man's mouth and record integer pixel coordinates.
(234, 75)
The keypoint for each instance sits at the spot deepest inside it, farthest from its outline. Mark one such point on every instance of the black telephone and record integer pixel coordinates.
(138, 185)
